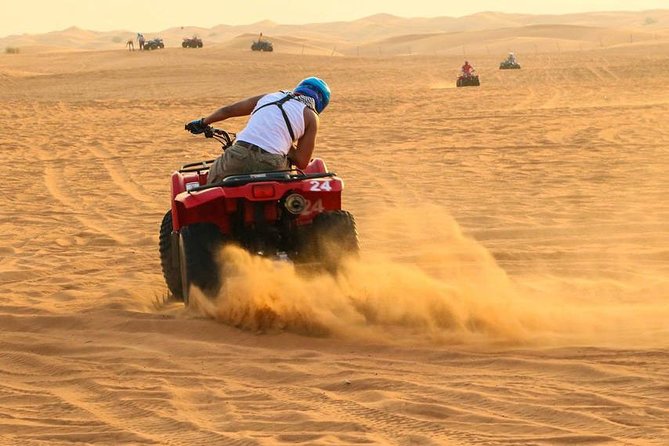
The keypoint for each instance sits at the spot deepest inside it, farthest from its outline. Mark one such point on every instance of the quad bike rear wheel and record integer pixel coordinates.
(190, 258)
(199, 246)
(334, 239)
(169, 260)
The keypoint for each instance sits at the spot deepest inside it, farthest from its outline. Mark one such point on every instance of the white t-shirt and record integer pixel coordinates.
(267, 128)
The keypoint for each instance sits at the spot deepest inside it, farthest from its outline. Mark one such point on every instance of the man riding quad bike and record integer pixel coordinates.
(468, 78)
(510, 63)
(284, 207)
(262, 45)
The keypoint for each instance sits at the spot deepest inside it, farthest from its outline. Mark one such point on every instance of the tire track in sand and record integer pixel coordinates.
(120, 175)
(53, 180)
(392, 425)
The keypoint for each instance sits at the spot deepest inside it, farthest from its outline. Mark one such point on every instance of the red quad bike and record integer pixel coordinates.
(468, 80)
(291, 215)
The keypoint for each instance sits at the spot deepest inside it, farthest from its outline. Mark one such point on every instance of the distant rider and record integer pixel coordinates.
(282, 129)
(467, 69)
(511, 59)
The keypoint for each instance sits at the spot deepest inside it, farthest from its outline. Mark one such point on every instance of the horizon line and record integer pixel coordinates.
(74, 26)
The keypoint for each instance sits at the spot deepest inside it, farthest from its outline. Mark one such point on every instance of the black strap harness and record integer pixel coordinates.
(279, 104)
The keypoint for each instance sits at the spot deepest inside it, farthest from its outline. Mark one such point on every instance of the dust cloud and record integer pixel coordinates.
(438, 285)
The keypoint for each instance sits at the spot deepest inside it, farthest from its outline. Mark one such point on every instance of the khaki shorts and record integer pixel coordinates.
(238, 159)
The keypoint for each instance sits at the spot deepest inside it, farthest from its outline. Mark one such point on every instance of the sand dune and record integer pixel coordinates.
(364, 31)
(515, 271)
(535, 38)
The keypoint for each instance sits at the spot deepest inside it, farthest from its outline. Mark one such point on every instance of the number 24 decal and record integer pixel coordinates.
(320, 186)
(316, 206)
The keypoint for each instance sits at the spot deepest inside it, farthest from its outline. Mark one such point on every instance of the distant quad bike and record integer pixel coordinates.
(262, 45)
(193, 42)
(509, 65)
(284, 215)
(468, 80)
(154, 44)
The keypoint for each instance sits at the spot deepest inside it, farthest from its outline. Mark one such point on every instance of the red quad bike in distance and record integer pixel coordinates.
(468, 80)
(291, 215)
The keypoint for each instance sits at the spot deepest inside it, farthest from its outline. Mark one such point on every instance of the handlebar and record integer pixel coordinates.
(227, 139)
(220, 135)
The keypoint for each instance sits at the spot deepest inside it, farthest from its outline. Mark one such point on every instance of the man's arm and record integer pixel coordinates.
(241, 108)
(301, 155)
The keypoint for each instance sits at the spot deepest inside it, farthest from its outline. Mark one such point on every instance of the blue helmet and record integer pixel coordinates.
(316, 89)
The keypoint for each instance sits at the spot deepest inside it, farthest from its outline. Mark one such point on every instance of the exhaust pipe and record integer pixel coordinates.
(295, 204)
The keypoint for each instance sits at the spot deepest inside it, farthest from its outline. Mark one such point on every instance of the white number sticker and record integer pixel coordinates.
(320, 186)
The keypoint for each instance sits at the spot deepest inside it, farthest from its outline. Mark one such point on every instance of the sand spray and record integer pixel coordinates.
(432, 283)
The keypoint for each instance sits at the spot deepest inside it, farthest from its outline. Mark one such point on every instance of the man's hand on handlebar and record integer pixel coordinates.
(198, 126)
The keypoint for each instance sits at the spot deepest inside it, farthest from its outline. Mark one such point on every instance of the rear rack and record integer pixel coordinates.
(281, 176)
(196, 167)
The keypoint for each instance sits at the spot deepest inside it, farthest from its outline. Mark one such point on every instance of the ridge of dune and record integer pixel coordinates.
(532, 38)
(357, 32)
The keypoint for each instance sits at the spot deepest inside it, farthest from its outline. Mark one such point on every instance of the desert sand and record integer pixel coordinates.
(514, 280)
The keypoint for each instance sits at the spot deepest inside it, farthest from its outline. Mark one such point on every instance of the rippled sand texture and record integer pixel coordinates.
(515, 274)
